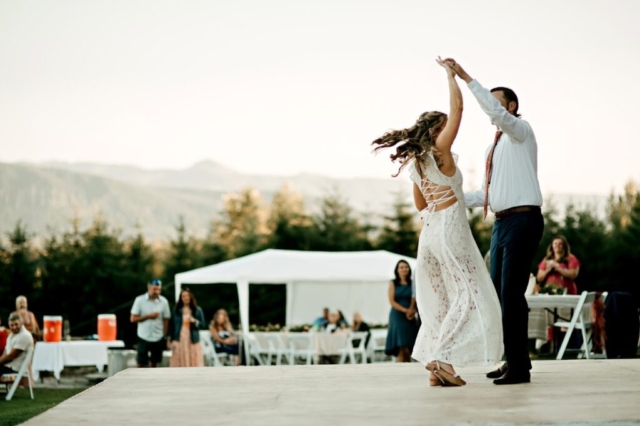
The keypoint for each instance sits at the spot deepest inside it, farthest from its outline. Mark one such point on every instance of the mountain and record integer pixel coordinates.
(46, 200)
(47, 196)
(363, 193)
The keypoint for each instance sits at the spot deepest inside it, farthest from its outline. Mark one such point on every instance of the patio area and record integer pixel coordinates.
(593, 392)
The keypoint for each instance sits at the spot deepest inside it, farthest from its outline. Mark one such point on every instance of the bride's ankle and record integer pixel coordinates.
(445, 366)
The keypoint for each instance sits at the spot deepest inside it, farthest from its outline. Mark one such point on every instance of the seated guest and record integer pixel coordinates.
(18, 343)
(333, 324)
(29, 320)
(342, 321)
(559, 268)
(360, 325)
(222, 335)
(322, 321)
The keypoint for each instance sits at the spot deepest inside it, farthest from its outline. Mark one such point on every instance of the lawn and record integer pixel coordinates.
(21, 407)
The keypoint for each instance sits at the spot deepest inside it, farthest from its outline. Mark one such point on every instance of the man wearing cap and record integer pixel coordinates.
(151, 312)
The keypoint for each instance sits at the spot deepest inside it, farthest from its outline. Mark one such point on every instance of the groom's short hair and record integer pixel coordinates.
(509, 96)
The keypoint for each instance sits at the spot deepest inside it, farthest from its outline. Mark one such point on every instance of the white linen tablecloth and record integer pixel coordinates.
(539, 316)
(55, 356)
(329, 343)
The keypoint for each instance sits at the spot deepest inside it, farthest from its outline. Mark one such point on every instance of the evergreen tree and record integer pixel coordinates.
(20, 266)
(337, 229)
(289, 225)
(182, 256)
(399, 232)
(241, 229)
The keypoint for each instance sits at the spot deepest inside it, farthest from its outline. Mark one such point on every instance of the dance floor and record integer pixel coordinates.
(578, 392)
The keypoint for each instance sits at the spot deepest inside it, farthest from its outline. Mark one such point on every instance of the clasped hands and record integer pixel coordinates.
(410, 313)
(453, 68)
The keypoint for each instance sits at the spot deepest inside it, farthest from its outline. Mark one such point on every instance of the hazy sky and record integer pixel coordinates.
(283, 87)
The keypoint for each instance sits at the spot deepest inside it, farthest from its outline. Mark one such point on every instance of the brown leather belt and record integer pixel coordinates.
(513, 210)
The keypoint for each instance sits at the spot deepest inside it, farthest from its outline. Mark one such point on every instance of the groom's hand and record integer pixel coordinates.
(459, 70)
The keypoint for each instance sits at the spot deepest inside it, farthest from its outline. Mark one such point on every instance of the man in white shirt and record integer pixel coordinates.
(511, 189)
(18, 343)
(151, 312)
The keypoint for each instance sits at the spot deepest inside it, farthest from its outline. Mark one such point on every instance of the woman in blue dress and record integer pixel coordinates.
(403, 329)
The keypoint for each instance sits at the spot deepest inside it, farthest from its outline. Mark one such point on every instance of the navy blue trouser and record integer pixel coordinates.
(514, 242)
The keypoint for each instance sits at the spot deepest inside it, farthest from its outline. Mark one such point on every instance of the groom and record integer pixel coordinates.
(510, 187)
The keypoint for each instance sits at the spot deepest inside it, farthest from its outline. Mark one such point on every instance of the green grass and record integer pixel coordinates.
(21, 407)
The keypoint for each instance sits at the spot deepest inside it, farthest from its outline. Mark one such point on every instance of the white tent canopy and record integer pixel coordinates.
(348, 281)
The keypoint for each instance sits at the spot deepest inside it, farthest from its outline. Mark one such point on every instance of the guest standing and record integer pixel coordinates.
(403, 330)
(151, 313)
(184, 332)
(29, 320)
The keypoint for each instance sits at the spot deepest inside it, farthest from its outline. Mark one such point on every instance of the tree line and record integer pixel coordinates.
(80, 273)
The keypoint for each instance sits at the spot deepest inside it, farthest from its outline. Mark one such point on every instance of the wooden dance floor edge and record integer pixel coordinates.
(562, 392)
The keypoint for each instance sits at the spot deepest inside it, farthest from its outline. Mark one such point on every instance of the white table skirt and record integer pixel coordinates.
(329, 343)
(55, 356)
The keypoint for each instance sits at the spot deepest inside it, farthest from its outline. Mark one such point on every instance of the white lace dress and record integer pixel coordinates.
(457, 302)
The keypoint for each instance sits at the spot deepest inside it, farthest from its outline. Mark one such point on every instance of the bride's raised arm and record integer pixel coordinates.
(448, 134)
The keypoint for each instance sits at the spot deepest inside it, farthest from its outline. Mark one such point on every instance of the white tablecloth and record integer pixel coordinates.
(551, 301)
(329, 343)
(55, 356)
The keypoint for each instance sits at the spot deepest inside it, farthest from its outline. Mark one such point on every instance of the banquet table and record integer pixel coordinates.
(545, 303)
(55, 356)
(327, 344)
(320, 343)
(552, 301)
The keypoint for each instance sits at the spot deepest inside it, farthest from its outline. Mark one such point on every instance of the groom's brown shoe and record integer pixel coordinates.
(496, 374)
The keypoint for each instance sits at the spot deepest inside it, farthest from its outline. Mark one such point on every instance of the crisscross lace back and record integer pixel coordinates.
(435, 194)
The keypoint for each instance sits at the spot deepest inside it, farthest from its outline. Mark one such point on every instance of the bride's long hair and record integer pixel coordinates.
(415, 141)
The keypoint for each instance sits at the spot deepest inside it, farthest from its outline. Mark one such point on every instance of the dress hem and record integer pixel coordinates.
(458, 363)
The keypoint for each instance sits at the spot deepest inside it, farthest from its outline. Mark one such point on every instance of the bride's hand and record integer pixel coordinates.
(450, 71)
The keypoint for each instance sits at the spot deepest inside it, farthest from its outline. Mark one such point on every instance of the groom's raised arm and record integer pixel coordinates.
(517, 129)
(510, 124)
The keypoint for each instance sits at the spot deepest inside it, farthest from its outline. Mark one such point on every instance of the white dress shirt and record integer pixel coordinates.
(514, 174)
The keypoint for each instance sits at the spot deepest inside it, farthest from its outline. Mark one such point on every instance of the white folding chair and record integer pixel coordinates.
(300, 346)
(211, 357)
(256, 351)
(351, 352)
(22, 373)
(277, 347)
(377, 345)
(581, 320)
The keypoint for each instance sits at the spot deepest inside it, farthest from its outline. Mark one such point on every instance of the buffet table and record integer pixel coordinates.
(56, 356)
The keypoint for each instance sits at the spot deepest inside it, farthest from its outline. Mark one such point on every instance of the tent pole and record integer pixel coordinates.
(289, 301)
(177, 287)
(243, 301)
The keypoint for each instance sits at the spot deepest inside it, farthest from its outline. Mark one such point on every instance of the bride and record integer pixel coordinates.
(458, 304)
